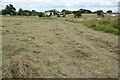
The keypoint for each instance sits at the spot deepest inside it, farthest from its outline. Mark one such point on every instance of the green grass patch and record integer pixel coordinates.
(107, 25)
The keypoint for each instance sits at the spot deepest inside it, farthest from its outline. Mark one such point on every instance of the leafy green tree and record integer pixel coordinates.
(9, 9)
(41, 14)
(26, 13)
(109, 11)
(100, 13)
(4, 12)
(66, 11)
(20, 12)
(85, 11)
(77, 14)
(33, 13)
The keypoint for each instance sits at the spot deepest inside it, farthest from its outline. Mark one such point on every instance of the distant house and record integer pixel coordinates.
(7, 14)
(48, 13)
(60, 14)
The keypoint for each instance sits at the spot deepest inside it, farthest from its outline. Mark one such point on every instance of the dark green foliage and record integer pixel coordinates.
(85, 11)
(33, 13)
(109, 11)
(66, 11)
(20, 12)
(100, 13)
(77, 14)
(4, 12)
(9, 9)
(41, 14)
(24, 12)
(50, 14)
(54, 11)
(105, 25)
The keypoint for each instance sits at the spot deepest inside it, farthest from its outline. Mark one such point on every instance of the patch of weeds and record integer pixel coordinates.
(104, 24)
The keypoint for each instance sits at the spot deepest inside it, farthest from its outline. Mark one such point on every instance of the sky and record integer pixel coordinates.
(43, 5)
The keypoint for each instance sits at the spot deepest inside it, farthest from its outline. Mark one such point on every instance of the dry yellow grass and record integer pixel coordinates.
(36, 47)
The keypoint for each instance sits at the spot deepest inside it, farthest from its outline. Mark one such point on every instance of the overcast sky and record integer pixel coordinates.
(42, 5)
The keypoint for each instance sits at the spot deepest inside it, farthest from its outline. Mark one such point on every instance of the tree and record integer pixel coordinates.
(66, 11)
(33, 13)
(4, 12)
(85, 11)
(41, 14)
(109, 11)
(9, 9)
(100, 13)
(26, 13)
(20, 12)
(77, 14)
(54, 11)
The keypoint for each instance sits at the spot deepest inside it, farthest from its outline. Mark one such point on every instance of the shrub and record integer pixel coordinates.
(77, 14)
(100, 13)
(41, 14)
(58, 15)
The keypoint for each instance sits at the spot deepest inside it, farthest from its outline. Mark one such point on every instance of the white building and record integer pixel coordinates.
(113, 15)
(48, 13)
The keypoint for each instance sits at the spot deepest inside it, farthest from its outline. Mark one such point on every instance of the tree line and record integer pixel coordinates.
(11, 10)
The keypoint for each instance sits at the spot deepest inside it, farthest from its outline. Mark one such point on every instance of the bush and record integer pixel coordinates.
(77, 14)
(63, 16)
(58, 15)
(100, 13)
(41, 14)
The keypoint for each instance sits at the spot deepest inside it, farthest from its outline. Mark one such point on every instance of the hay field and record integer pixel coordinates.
(36, 47)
